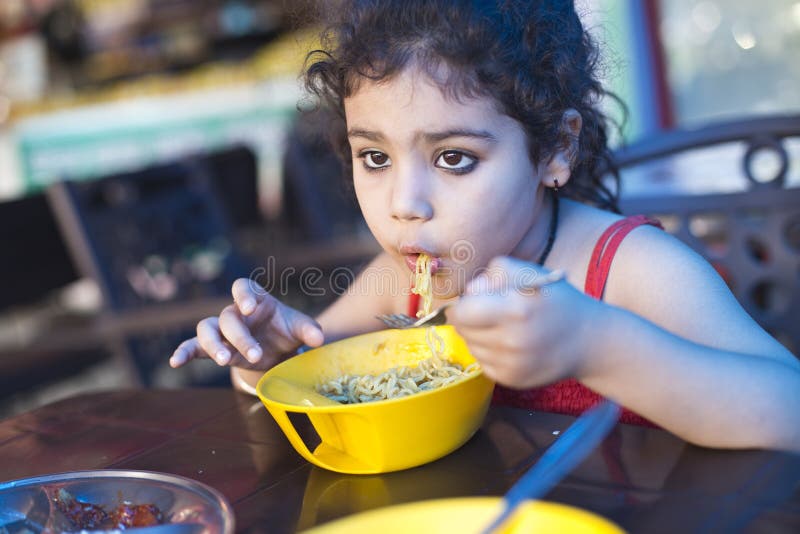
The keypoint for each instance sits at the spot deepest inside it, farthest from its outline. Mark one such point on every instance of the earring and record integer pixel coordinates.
(555, 187)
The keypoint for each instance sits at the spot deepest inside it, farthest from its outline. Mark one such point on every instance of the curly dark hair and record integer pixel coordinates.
(532, 56)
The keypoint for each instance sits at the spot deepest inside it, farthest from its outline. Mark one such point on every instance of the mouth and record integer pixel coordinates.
(410, 254)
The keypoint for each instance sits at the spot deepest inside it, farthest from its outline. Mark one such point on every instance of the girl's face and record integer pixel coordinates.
(451, 179)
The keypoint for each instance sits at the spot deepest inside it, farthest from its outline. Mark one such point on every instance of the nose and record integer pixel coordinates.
(411, 195)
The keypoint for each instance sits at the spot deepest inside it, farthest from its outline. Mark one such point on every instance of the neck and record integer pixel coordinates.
(534, 243)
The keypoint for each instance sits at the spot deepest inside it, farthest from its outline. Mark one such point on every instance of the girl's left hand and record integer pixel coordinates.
(525, 338)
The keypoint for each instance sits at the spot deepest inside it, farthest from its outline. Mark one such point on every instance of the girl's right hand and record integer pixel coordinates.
(254, 332)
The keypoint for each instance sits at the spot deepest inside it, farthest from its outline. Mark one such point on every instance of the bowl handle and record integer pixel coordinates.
(325, 456)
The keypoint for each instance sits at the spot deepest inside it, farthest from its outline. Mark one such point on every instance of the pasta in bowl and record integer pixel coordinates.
(386, 423)
(431, 373)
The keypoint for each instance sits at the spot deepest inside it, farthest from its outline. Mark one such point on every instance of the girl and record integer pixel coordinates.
(475, 138)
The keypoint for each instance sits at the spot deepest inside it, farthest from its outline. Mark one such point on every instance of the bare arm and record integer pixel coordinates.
(669, 342)
(703, 368)
(706, 395)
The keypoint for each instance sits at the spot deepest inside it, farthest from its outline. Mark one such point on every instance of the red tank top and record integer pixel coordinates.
(570, 396)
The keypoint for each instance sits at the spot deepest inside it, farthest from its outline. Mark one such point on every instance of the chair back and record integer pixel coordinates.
(152, 240)
(751, 235)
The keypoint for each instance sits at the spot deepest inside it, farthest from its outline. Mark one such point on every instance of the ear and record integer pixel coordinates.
(559, 167)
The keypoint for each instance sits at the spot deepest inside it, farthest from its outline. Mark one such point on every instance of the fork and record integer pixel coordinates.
(437, 316)
(401, 320)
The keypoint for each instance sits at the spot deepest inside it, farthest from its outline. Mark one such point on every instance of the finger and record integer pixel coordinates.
(491, 337)
(237, 360)
(489, 370)
(487, 280)
(480, 311)
(247, 294)
(527, 278)
(305, 329)
(504, 272)
(186, 351)
(210, 341)
(491, 350)
(478, 285)
(494, 278)
(265, 310)
(484, 356)
(236, 332)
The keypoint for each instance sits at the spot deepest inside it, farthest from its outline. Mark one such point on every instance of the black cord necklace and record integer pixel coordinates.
(551, 232)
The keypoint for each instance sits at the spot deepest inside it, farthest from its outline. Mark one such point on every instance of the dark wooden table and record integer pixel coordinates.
(643, 479)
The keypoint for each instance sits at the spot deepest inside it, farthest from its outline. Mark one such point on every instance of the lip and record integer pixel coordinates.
(411, 253)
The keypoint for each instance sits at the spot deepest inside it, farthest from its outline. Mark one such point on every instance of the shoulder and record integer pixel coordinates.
(658, 277)
(651, 258)
(645, 249)
(580, 227)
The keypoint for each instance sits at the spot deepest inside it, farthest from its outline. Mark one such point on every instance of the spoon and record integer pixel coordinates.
(569, 450)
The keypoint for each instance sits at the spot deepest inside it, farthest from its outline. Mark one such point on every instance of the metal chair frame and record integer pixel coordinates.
(760, 226)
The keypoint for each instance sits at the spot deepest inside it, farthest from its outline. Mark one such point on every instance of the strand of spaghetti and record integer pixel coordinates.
(430, 373)
(422, 283)
(435, 342)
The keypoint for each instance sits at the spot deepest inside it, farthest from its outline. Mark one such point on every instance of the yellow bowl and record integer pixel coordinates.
(469, 514)
(380, 436)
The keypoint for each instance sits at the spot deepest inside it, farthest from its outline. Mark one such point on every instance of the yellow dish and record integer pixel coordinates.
(380, 436)
(469, 514)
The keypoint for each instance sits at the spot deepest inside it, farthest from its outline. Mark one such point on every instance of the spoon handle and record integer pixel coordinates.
(569, 450)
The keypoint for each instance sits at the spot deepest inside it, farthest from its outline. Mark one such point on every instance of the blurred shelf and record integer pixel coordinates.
(81, 331)
(88, 331)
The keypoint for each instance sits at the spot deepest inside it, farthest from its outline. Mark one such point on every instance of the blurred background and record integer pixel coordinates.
(151, 151)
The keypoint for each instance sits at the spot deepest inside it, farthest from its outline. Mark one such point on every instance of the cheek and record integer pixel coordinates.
(497, 214)
(373, 207)
(495, 230)
(514, 204)
(366, 196)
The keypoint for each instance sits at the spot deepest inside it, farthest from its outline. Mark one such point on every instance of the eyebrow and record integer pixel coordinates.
(433, 137)
(366, 134)
(430, 137)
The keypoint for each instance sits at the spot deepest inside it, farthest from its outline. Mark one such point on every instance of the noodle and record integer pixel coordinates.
(422, 283)
(430, 373)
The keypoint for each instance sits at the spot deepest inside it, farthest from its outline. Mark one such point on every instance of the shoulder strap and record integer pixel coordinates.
(606, 248)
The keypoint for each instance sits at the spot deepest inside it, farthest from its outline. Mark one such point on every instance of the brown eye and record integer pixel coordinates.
(452, 158)
(376, 160)
(456, 161)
